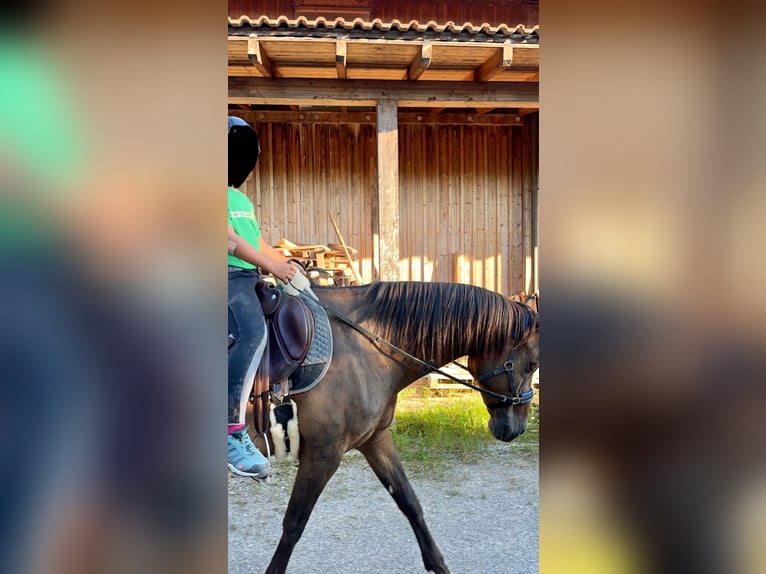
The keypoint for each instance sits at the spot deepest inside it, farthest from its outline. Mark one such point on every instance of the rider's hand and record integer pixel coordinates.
(284, 271)
(298, 266)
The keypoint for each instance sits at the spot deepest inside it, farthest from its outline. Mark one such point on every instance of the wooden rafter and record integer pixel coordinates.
(260, 59)
(340, 58)
(420, 63)
(520, 75)
(501, 60)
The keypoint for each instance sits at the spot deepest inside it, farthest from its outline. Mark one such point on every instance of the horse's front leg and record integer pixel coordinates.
(314, 471)
(384, 460)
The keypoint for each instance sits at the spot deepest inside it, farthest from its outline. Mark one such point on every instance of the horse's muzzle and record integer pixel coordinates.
(506, 428)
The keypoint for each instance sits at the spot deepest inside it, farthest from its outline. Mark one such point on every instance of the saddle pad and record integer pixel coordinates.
(317, 361)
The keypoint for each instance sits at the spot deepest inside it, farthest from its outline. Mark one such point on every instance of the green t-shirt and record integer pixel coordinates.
(242, 219)
(42, 144)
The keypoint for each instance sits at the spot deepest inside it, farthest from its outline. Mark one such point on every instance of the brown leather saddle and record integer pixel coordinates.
(290, 327)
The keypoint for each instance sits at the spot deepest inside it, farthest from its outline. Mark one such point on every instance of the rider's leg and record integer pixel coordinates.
(247, 324)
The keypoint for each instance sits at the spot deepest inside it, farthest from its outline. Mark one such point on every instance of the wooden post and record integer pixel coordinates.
(386, 234)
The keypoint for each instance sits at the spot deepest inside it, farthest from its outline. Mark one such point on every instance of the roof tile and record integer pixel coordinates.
(378, 24)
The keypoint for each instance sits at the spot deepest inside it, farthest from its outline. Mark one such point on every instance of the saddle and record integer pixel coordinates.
(290, 330)
(290, 326)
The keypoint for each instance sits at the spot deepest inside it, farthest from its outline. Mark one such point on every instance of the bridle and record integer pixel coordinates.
(515, 398)
(503, 401)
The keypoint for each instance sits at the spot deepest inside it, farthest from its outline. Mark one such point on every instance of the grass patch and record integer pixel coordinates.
(434, 430)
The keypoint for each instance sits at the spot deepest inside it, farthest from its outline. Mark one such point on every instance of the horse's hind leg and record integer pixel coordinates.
(313, 473)
(381, 454)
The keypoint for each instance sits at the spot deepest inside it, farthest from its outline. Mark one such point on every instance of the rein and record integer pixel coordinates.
(507, 367)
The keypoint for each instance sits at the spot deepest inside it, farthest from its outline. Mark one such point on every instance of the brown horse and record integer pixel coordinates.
(353, 407)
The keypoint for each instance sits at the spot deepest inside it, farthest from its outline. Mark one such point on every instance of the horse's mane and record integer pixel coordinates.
(460, 319)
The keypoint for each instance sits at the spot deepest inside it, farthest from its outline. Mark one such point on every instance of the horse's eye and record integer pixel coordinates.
(533, 366)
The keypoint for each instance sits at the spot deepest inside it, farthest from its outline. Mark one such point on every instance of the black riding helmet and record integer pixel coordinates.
(244, 149)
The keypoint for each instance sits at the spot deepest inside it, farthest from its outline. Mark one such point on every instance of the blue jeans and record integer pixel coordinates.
(247, 325)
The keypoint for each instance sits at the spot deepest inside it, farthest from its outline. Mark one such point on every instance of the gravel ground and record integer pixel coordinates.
(484, 518)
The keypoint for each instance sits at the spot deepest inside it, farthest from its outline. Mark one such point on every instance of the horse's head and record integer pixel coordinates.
(508, 373)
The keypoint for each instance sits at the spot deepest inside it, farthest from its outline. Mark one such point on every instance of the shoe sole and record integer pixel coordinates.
(262, 474)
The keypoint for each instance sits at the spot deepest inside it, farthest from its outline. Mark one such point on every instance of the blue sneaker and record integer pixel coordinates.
(244, 458)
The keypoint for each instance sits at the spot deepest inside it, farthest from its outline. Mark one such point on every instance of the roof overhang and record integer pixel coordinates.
(300, 62)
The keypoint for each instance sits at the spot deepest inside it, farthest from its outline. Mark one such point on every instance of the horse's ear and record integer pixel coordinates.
(521, 297)
(532, 301)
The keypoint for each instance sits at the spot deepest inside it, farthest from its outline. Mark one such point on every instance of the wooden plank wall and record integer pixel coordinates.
(465, 196)
(466, 204)
(305, 170)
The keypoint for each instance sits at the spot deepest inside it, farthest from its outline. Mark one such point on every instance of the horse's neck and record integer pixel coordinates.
(344, 301)
(441, 354)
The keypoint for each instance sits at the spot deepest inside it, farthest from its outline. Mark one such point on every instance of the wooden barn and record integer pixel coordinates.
(413, 123)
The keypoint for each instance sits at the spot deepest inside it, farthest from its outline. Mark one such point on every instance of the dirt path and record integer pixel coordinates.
(483, 516)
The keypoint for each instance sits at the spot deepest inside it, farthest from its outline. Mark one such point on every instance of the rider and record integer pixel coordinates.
(248, 255)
